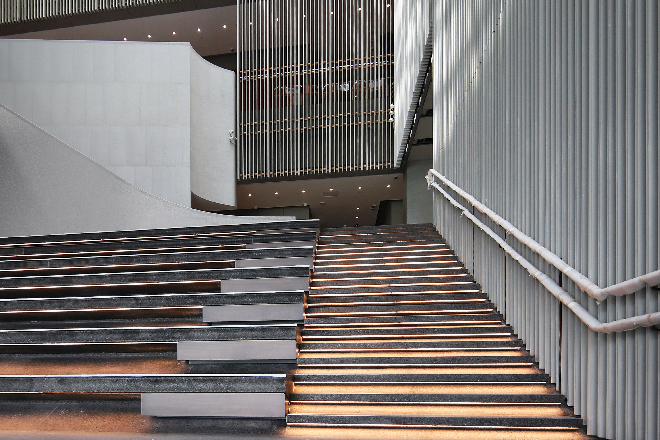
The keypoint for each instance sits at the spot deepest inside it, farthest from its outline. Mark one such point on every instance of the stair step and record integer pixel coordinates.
(143, 383)
(92, 304)
(484, 307)
(159, 233)
(435, 345)
(389, 280)
(321, 263)
(435, 421)
(477, 319)
(144, 261)
(395, 287)
(396, 298)
(103, 247)
(407, 331)
(419, 361)
(144, 334)
(419, 378)
(512, 399)
(51, 283)
(379, 266)
(382, 238)
(388, 273)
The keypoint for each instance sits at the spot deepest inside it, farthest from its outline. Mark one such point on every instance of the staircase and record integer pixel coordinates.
(186, 330)
(400, 342)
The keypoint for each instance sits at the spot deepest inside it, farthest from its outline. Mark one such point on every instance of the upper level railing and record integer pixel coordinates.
(625, 288)
(20, 11)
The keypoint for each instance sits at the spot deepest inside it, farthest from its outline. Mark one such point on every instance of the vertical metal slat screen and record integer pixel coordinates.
(19, 11)
(548, 112)
(315, 86)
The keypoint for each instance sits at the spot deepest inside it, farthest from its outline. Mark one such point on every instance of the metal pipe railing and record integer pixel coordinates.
(585, 284)
(647, 320)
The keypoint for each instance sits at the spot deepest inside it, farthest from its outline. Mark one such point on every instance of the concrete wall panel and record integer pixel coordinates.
(50, 188)
(124, 104)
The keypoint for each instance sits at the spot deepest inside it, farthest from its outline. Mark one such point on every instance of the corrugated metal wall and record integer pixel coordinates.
(315, 87)
(18, 11)
(547, 112)
(412, 23)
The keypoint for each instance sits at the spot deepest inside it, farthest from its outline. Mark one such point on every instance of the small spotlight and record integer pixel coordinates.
(249, 195)
(359, 187)
(357, 216)
(250, 23)
(389, 186)
(331, 189)
(173, 33)
(360, 8)
(199, 30)
(303, 190)
(276, 193)
(332, 12)
(224, 26)
(358, 208)
(388, 5)
(124, 38)
(148, 36)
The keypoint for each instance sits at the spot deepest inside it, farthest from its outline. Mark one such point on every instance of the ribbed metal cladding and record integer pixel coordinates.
(19, 11)
(412, 30)
(315, 87)
(547, 112)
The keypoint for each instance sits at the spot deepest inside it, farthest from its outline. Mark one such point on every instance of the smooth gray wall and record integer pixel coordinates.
(126, 105)
(419, 200)
(548, 112)
(49, 188)
(155, 114)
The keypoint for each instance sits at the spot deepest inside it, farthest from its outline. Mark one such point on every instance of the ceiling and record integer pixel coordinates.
(209, 31)
(339, 201)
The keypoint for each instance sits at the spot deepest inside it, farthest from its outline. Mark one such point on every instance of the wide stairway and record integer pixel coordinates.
(400, 342)
(185, 330)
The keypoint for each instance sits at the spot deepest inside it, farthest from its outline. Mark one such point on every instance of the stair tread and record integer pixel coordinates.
(417, 397)
(549, 422)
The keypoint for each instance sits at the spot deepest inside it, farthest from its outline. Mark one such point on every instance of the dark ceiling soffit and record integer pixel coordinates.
(113, 15)
(417, 101)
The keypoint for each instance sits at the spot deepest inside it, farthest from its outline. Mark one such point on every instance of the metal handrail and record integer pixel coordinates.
(585, 284)
(646, 320)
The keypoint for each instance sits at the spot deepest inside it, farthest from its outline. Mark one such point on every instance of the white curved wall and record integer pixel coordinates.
(212, 115)
(126, 105)
(49, 187)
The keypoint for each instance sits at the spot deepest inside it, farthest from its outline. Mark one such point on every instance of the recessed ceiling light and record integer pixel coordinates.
(303, 190)
(224, 26)
(249, 195)
(173, 33)
(124, 38)
(276, 193)
(359, 187)
(358, 207)
(148, 36)
(331, 189)
(389, 186)
(388, 5)
(250, 23)
(357, 216)
(332, 12)
(360, 8)
(199, 29)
